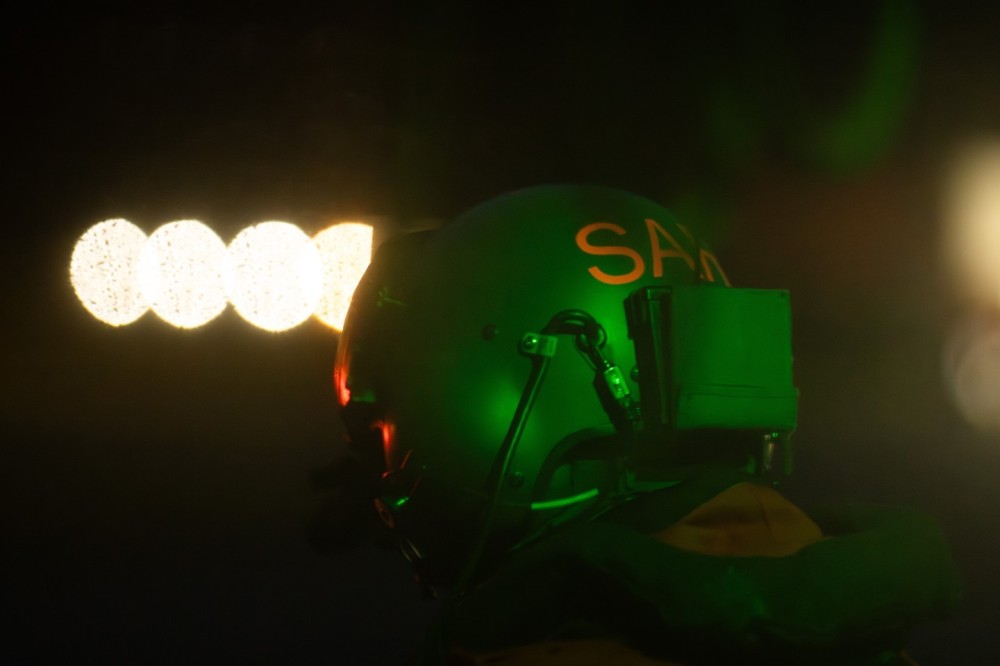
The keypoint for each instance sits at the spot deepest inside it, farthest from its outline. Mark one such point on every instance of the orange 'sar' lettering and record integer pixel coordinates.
(604, 250)
(659, 254)
(707, 261)
(687, 232)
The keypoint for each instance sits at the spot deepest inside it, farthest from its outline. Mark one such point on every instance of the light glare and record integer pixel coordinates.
(972, 370)
(345, 250)
(103, 271)
(973, 221)
(181, 273)
(274, 276)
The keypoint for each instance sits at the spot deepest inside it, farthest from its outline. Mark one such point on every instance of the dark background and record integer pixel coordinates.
(163, 490)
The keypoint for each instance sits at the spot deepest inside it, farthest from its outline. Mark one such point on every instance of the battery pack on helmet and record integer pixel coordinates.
(713, 358)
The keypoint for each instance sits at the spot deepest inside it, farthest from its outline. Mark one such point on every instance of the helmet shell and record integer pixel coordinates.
(430, 351)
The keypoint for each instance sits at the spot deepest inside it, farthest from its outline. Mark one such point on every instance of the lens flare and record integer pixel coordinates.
(972, 371)
(273, 275)
(972, 218)
(180, 274)
(345, 250)
(103, 271)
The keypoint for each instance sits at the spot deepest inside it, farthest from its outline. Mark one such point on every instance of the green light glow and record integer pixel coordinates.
(565, 501)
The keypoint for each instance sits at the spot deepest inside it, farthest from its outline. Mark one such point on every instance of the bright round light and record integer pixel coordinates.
(345, 250)
(103, 271)
(181, 273)
(274, 276)
(972, 220)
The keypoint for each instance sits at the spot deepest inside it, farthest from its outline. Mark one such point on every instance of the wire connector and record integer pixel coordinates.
(615, 381)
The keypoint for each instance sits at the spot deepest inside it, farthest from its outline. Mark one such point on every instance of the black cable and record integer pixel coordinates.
(590, 338)
(434, 646)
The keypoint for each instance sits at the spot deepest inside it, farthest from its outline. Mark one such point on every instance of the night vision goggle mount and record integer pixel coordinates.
(709, 360)
(713, 359)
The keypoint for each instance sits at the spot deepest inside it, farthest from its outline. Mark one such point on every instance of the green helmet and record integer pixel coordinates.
(432, 363)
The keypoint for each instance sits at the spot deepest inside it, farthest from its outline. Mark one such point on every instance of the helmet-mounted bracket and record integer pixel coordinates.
(773, 445)
(712, 359)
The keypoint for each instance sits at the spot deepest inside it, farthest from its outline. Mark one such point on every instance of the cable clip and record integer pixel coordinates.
(538, 344)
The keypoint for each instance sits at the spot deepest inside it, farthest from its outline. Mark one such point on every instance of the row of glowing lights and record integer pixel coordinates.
(273, 274)
(276, 277)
